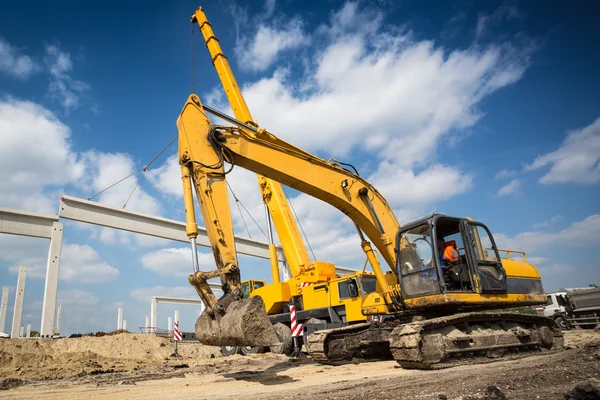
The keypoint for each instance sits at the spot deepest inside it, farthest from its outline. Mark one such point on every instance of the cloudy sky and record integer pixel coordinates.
(486, 109)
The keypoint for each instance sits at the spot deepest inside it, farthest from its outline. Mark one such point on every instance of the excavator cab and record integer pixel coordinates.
(442, 254)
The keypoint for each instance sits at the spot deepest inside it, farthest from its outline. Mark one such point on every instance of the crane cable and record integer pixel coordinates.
(143, 169)
(238, 203)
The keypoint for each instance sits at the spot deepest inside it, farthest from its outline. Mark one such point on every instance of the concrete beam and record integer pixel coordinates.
(24, 223)
(172, 300)
(51, 285)
(91, 212)
(3, 308)
(18, 311)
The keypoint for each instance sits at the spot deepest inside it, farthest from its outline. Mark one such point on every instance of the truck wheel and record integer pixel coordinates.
(562, 323)
(252, 350)
(284, 333)
(230, 350)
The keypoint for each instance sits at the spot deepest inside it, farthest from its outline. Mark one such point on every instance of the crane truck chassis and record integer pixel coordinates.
(432, 314)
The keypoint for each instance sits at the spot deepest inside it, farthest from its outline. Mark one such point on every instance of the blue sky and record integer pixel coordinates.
(486, 109)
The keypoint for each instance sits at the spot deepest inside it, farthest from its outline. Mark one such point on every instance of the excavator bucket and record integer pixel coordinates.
(244, 323)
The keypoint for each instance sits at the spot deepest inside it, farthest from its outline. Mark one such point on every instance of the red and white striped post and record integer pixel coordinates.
(297, 330)
(296, 327)
(176, 338)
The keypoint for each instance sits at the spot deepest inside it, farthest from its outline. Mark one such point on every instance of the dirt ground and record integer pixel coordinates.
(137, 366)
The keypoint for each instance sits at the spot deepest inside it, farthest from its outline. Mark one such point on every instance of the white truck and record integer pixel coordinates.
(578, 307)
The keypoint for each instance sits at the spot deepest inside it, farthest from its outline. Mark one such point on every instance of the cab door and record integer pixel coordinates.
(484, 260)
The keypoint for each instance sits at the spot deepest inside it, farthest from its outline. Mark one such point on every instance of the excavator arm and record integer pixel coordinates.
(230, 319)
(263, 153)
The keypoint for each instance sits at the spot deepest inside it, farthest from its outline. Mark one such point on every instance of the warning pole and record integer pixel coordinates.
(176, 338)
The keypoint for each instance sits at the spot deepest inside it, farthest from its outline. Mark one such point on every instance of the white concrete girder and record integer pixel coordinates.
(24, 223)
(91, 212)
(172, 300)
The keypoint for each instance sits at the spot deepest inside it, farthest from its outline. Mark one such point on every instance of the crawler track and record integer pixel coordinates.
(439, 342)
(473, 337)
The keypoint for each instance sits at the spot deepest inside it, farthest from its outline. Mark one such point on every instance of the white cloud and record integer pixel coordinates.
(79, 263)
(14, 63)
(402, 95)
(107, 168)
(511, 188)
(22, 250)
(576, 160)
(262, 50)
(51, 163)
(505, 173)
(77, 297)
(176, 261)
(145, 294)
(402, 187)
(167, 177)
(578, 234)
(82, 264)
(553, 220)
(62, 86)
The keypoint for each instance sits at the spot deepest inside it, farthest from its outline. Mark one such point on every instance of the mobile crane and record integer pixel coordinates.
(434, 316)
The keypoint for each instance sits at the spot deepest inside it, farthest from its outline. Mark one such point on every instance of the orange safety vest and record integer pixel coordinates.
(451, 252)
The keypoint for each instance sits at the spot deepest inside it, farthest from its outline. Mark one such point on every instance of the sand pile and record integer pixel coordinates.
(44, 359)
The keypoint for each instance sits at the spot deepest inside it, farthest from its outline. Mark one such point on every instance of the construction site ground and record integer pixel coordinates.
(136, 366)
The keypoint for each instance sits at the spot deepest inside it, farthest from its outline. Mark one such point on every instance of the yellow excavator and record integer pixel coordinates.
(431, 310)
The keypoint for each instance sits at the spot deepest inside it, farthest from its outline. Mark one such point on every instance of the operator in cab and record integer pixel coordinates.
(448, 254)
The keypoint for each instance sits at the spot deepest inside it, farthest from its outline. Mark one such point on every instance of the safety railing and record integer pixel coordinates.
(510, 252)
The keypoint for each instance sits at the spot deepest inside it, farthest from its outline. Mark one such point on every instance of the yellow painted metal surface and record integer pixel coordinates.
(274, 296)
(519, 269)
(211, 189)
(474, 299)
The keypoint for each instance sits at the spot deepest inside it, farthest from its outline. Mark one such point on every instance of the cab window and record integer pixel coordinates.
(246, 289)
(347, 288)
(369, 284)
(417, 262)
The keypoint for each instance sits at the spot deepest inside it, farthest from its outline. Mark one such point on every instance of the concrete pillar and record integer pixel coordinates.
(124, 324)
(3, 308)
(153, 313)
(286, 271)
(28, 330)
(176, 316)
(16, 322)
(120, 319)
(170, 324)
(146, 330)
(21, 332)
(51, 287)
(58, 315)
